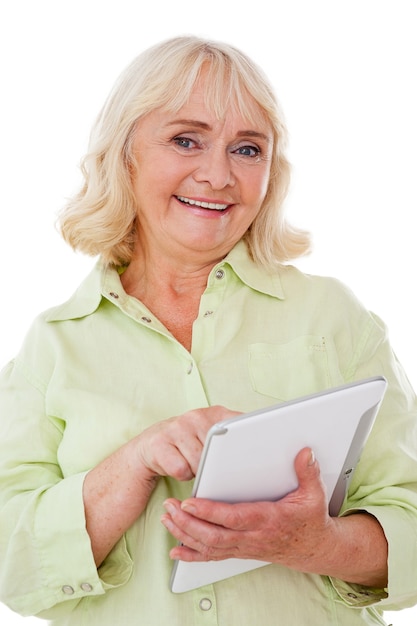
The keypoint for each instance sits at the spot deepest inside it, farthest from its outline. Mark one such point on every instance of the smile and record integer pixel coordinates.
(203, 205)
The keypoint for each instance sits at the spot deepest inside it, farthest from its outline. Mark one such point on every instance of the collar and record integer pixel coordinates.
(85, 300)
(103, 281)
(254, 276)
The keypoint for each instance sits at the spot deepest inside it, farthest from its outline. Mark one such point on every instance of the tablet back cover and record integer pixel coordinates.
(251, 458)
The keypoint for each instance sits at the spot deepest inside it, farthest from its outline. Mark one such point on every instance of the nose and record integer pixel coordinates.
(215, 168)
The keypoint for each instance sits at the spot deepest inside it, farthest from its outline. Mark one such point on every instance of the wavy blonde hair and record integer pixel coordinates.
(102, 218)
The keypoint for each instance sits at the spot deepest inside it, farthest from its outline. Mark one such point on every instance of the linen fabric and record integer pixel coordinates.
(96, 371)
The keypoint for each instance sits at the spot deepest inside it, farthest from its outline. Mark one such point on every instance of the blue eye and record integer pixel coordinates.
(184, 142)
(250, 151)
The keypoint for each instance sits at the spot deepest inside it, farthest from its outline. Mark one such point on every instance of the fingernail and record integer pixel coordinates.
(169, 507)
(312, 458)
(188, 507)
(166, 521)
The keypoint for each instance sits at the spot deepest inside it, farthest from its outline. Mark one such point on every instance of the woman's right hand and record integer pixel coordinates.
(173, 446)
(118, 489)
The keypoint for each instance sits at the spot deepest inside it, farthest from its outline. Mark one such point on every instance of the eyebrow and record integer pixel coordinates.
(203, 125)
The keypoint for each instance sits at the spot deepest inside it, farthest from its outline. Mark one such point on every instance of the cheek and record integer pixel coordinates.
(168, 175)
(149, 182)
(256, 185)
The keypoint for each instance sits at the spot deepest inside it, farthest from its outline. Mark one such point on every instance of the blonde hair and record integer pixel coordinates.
(101, 218)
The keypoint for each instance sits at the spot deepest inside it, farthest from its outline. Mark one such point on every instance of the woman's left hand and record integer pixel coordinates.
(291, 531)
(296, 532)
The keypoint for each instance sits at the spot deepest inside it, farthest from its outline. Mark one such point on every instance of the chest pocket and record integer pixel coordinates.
(296, 368)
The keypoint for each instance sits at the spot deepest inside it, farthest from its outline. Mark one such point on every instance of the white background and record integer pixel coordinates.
(345, 73)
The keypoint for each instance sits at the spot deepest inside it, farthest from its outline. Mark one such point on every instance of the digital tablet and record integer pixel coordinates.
(251, 458)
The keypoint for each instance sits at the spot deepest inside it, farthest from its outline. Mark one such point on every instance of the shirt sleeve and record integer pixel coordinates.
(45, 551)
(385, 480)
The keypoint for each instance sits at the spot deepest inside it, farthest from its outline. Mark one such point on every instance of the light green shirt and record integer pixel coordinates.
(97, 370)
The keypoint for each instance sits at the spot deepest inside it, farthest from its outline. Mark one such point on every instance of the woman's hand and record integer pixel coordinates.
(173, 447)
(118, 489)
(269, 531)
(296, 532)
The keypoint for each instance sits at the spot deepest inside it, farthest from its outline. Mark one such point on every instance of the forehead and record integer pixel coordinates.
(206, 100)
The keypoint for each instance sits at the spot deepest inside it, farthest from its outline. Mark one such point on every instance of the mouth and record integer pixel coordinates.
(211, 206)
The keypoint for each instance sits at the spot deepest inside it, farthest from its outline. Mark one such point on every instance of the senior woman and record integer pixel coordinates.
(192, 314)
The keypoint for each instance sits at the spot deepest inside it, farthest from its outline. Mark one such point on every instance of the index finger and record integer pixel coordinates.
(235, 516)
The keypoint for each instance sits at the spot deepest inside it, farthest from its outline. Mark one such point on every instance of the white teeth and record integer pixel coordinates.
(204, 205)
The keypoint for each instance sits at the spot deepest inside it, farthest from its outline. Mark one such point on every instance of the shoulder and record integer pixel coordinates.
(331, 303)
(40, 343)
(300, 284)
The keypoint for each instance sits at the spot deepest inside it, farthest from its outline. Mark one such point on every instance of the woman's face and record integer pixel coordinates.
(199, 181)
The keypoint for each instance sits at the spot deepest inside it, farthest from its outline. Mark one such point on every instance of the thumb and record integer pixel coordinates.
(307, 468)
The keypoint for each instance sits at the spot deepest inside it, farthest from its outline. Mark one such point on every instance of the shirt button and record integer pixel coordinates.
(352, 595)
(190, 368)
(205, 604)
(68, 590)
(86, 587)
(208, 313)
(114, 295)
(146, 319)
(219, 274)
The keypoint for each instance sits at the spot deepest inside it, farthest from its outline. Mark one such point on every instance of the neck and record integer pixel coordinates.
(172, 293)
(158, 276)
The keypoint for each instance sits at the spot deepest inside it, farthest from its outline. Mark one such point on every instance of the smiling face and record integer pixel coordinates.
(199, 182)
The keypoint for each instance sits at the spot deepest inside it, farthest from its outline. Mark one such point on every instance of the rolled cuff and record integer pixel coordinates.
(400, 531)
(63, 549)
